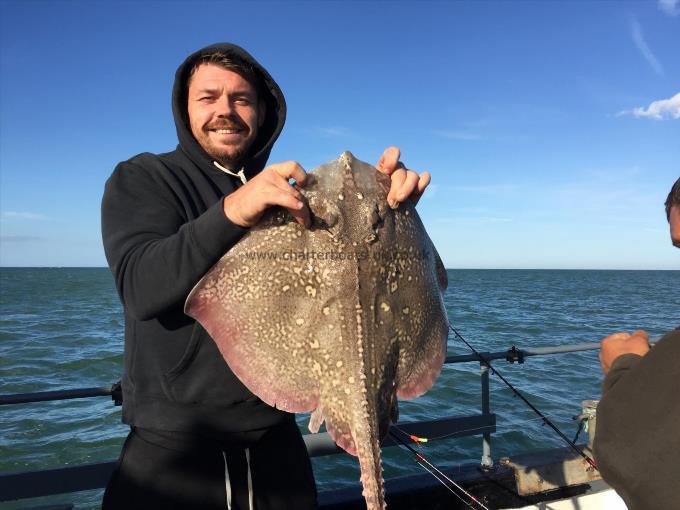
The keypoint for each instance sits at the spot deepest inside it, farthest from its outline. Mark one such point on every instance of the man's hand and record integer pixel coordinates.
(618, 344)
(405, 183)
(246, 205)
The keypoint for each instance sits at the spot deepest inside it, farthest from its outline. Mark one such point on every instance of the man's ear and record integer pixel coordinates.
(261, 112)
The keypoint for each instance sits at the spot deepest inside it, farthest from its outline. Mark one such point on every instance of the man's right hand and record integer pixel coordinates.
(618, 344)
(270, 187)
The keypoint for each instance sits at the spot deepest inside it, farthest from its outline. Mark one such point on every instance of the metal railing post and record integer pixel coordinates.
(487, 461)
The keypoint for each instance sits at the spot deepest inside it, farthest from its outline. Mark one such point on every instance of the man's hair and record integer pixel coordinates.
(673, 199)
(230, 63)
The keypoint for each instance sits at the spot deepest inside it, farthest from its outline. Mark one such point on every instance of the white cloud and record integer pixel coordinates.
(23, 215)
(495, 219)
(501, 189)
(641, 44)
(458, 135)
(657, 110)
(613, 195)
(459, 220)
(19, 239)
(334, 131)
(670, 7)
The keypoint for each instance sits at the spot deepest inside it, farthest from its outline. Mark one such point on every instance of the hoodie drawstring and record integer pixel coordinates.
(251, 506)
(240, 174)
(227, 481)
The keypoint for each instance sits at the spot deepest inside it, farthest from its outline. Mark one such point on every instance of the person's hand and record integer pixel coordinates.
(618, 344)
(405, 183)
(270, 187)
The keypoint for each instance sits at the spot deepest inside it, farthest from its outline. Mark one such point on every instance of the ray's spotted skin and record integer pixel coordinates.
(338, 319)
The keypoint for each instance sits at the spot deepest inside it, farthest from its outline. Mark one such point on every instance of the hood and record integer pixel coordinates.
(274, 119)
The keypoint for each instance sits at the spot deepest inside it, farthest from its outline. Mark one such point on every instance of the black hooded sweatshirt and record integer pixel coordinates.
(163, 228)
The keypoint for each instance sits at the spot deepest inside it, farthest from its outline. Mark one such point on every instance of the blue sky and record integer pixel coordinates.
(551, 129)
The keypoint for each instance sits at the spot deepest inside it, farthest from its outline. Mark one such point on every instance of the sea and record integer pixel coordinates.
(62, 328)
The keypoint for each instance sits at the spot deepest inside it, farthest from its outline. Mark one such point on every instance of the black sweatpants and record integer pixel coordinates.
(172, 472)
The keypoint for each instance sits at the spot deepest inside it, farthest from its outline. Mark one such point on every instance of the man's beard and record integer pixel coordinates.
(230, 157)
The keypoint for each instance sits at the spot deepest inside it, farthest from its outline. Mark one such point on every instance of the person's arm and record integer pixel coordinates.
(155, 254)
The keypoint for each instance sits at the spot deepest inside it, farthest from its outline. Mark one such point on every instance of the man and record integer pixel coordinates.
(673, 213)
(637, 443)
(199, 438)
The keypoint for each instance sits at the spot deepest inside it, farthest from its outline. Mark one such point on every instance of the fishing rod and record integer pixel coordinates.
(545, 419)
(436, 472)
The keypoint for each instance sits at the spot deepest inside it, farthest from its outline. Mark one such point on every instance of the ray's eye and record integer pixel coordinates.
(319, 222)
(372, 237)
(327, 221)
(376, 219)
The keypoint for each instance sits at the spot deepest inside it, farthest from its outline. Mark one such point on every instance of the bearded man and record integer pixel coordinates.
(199, 438)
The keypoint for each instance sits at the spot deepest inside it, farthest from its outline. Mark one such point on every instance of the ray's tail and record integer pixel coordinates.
(367, 440)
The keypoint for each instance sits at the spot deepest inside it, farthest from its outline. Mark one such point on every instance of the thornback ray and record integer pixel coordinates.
(339, 319)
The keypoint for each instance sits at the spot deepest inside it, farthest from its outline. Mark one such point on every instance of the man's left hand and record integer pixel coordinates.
(405, 183)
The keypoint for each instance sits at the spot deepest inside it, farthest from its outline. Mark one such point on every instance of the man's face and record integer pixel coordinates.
(224, 113)
(675, 225)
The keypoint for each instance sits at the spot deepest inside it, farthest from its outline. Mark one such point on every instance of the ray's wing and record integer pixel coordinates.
(262, 304)
(419, 315)
(266, 300)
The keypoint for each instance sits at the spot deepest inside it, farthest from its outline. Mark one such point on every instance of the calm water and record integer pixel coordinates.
(63, 328)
